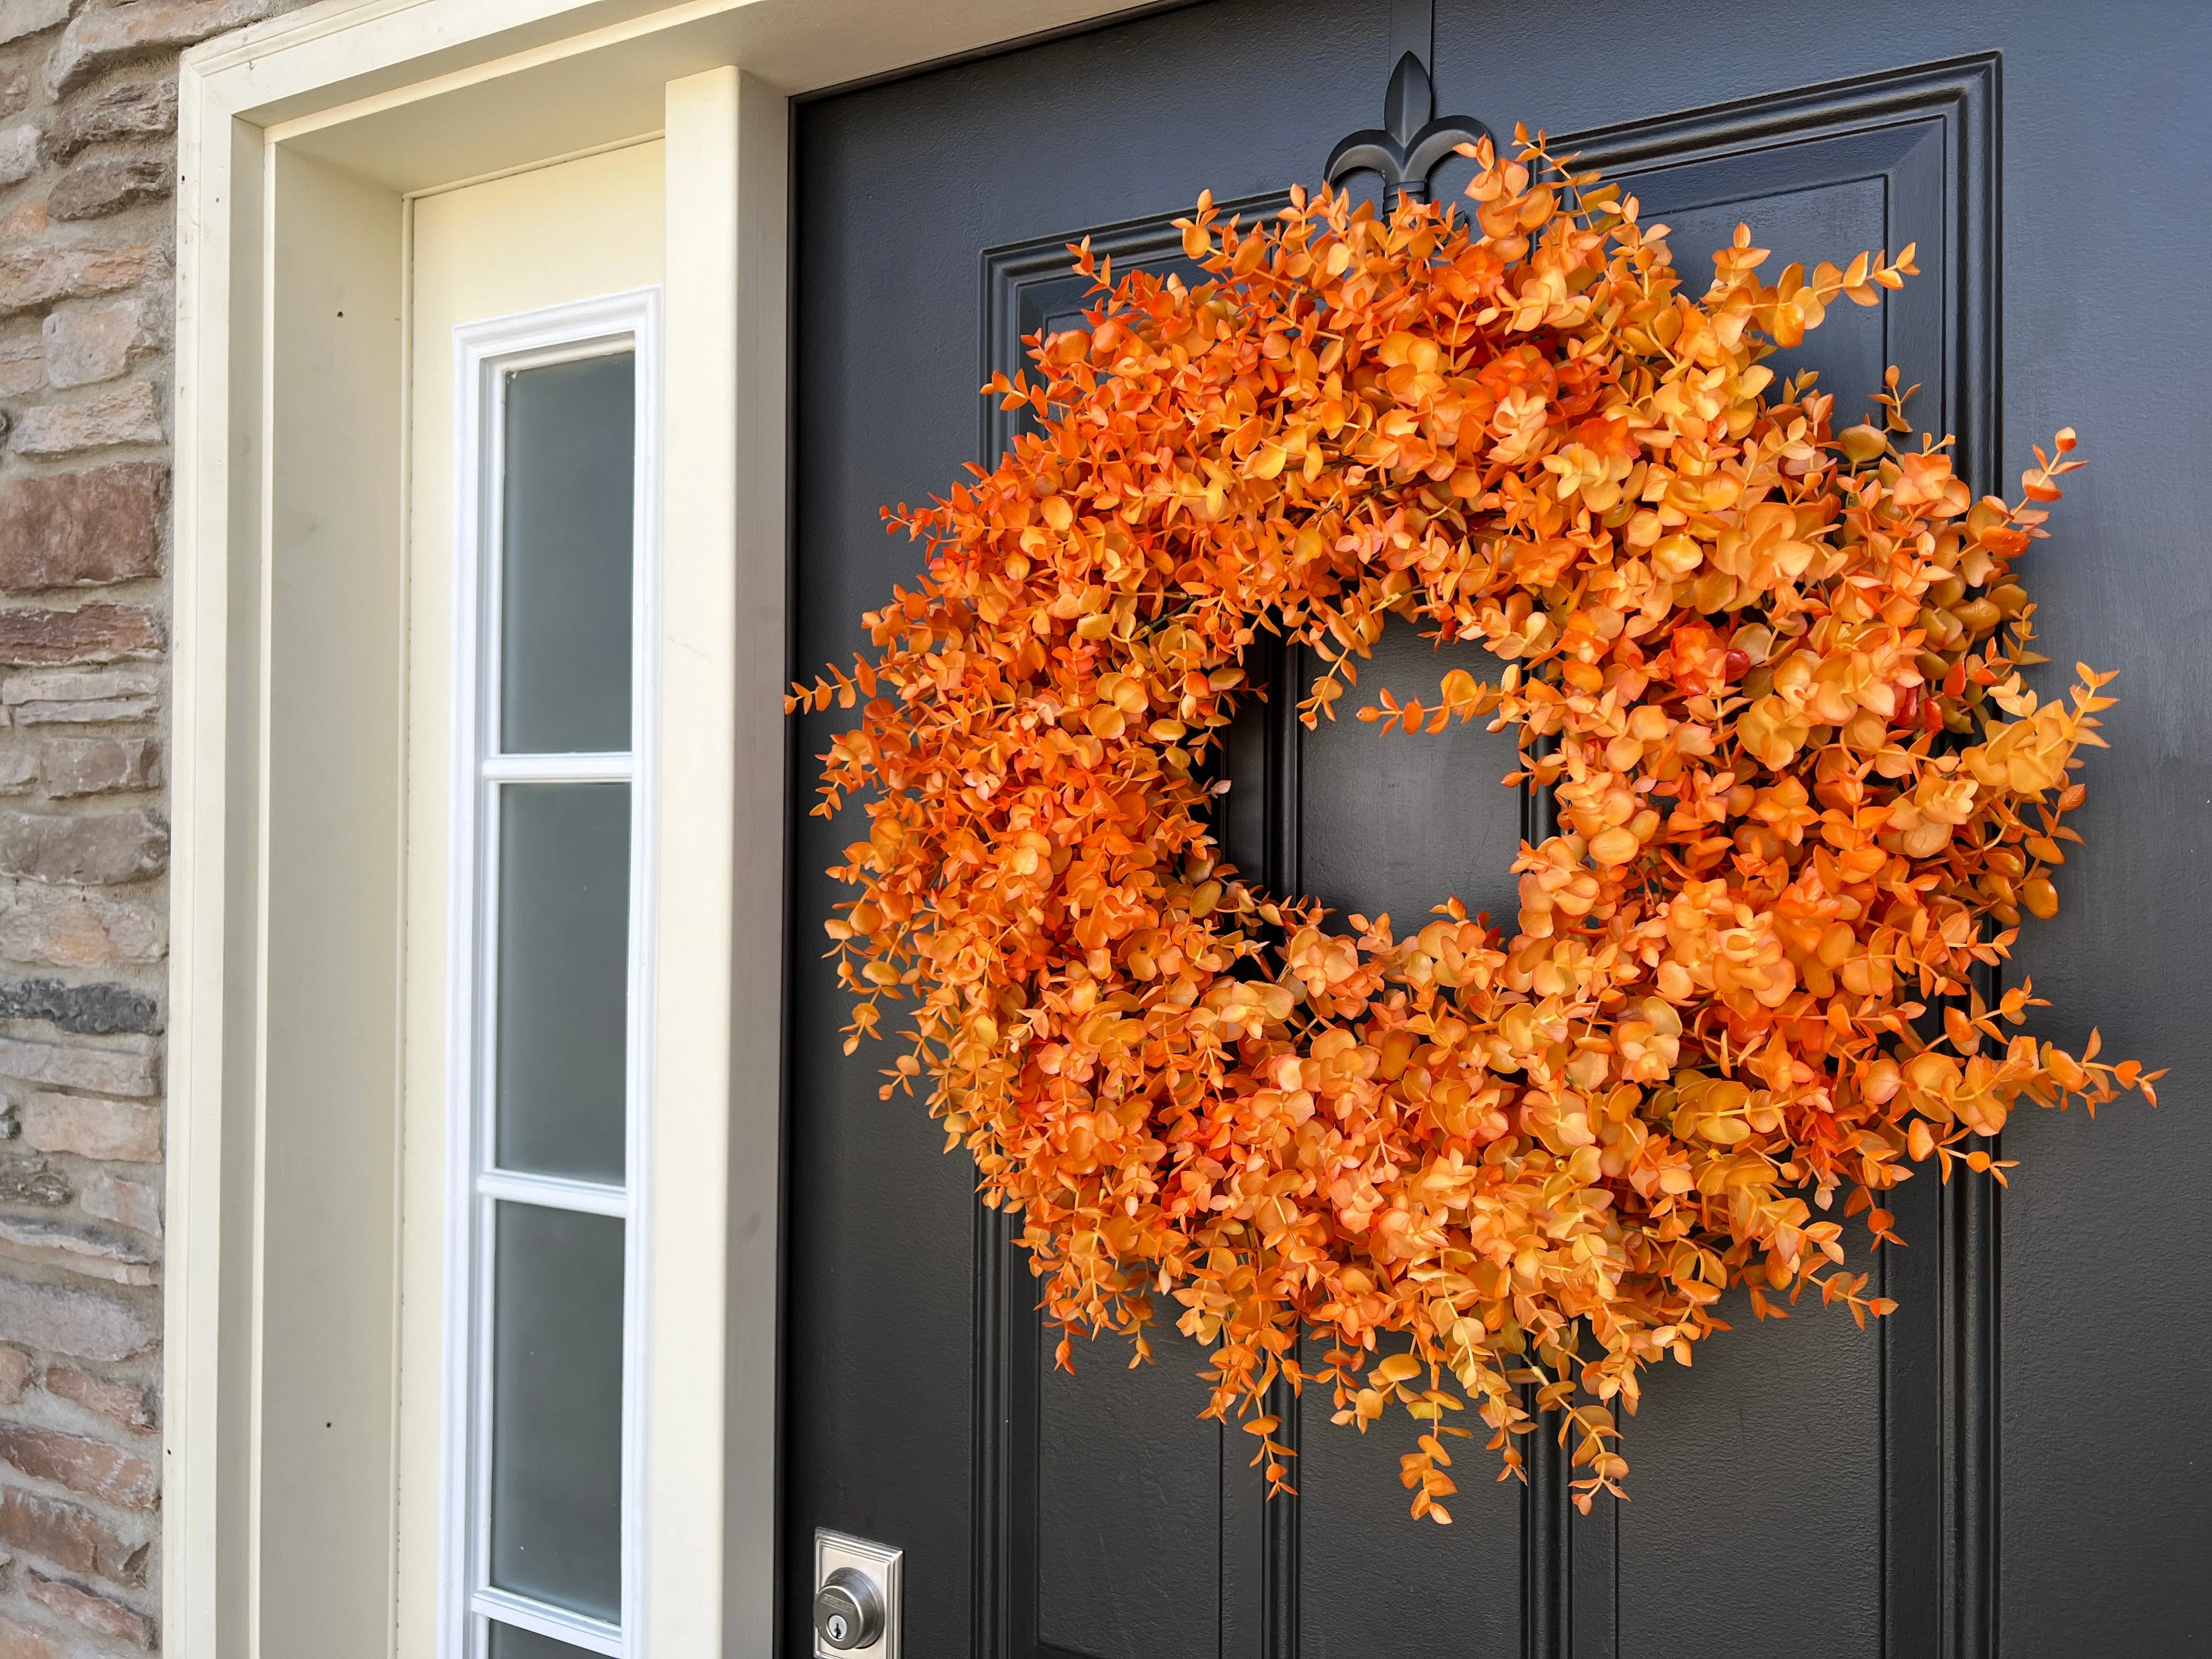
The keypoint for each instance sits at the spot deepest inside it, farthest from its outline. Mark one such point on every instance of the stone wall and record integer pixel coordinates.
(88, 115)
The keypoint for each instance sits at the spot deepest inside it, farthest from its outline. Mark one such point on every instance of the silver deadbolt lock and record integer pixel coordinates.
(856, 1597)
(849, 1611)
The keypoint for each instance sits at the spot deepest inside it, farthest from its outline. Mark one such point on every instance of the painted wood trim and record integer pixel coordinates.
(710, 1508)
(751, 1489)
(215, 170)
(359, 55)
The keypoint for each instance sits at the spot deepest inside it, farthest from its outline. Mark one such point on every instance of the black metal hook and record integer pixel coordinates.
(1413, 141)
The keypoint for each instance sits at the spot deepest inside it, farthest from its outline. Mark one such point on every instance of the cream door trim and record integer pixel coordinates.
(299, 141)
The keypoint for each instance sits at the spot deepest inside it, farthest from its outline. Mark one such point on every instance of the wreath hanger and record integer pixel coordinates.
(1413, 141)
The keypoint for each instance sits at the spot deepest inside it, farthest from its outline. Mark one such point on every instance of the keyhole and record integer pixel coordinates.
(837, 1627)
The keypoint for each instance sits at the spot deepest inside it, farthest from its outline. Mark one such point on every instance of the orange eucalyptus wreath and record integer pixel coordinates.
(1770, 670)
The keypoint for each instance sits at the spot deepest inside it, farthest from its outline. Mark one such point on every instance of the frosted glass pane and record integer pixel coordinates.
(509, 1643)
(563, 978)
(556, 1408)
(565, 573)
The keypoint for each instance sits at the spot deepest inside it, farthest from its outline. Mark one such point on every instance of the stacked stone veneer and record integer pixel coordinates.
(87, 116)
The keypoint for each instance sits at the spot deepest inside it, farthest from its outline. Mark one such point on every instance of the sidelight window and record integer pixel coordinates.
(551, 1019)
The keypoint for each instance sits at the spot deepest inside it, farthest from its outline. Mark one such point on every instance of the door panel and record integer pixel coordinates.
(1809, 1489)
(1129, 1497)
(1368, 1580)
(1396, 825)
(1772, 1460)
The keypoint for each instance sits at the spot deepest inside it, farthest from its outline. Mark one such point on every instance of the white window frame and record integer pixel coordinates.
(485, 355)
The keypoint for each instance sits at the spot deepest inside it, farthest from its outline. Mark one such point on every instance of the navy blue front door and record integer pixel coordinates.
(2003, 1466)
